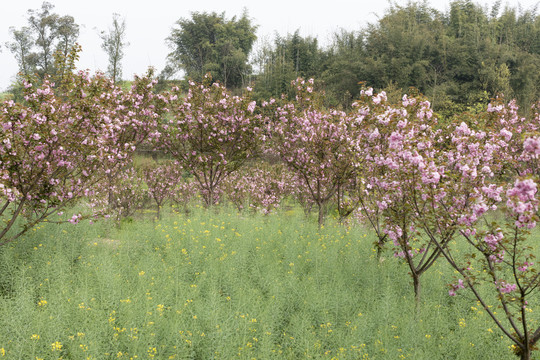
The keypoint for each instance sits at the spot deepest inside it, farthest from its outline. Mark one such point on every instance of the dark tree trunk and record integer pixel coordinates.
(417, 288)
(321, 214)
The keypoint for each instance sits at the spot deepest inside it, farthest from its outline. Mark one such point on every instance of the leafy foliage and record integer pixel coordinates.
(210, 43)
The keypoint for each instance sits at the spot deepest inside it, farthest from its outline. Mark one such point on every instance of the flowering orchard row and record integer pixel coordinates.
(420, 186)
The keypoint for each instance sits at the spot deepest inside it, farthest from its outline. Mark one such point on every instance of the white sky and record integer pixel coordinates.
(150, 22)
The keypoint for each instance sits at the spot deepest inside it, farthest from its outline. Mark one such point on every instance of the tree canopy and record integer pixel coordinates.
(34, 45)
(459, 58)
(113, 43)
(211, 43)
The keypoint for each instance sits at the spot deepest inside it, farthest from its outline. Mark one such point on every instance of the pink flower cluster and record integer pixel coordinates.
(56, 147)
(259, 188)
(456, 287)
(505, 287)
(161, 180)
(523, 203)
(210, 133)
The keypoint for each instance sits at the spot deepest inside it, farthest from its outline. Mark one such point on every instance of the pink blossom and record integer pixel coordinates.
(524, 190)
(493, 192)
(498, 257)
(380, 97)
(496, 108)
(251, 106)
(525, 266)
(455, 287)
(75, 218)
(532, 145)
(492, 240)
(463, 129)
(367, 92)
(374, 135)
(506, 134)
(431, 178)
(506, 288)
(395, 140)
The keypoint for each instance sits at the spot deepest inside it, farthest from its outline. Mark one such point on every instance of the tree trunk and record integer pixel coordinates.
(380, 244)
(526, 355)
(321, 214)
(208, 197)
(112, 201)
(307, 209)
(417, 288)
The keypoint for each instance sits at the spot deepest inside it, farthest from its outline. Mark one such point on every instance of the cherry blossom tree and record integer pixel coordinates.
(314, 143)
(211, 134)
(55, 148)
(184, 192)
(259, 187)
(397, 164)
(126, 190)
(162, 180)
(501, 250)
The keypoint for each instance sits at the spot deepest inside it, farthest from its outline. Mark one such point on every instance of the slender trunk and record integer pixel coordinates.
(211, 197)
(307, 209)
(112, 202)
(417, 289)
(321, 214)
(12, 221)
(379, 250)
(208, 197)
(380, 244)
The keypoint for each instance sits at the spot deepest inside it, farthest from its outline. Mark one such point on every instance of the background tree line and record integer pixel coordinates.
(459, 58)
(47, 46)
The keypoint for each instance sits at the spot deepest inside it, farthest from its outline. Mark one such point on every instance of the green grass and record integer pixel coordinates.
(218, 285)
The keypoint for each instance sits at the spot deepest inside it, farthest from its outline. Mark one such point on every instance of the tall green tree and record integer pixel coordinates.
(67, 32)
(34, 45)
(288, 58)
(209, 42)
(113, 43)
(402, 47)
(21, 48)
(345, 69)
(459, 58)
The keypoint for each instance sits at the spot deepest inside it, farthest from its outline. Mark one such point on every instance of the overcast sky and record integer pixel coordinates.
(150, 22)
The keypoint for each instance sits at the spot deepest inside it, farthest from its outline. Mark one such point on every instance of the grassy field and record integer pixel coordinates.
(218, 285)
